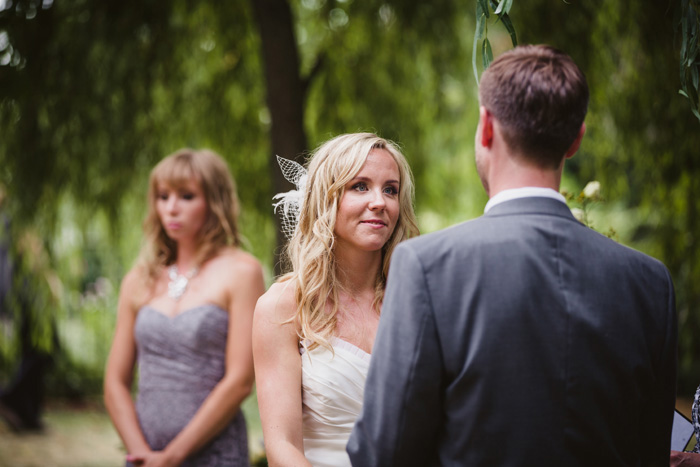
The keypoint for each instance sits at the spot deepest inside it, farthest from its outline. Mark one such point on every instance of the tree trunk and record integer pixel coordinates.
(285, 93)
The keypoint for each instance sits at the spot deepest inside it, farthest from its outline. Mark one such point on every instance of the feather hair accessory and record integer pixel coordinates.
(289, 203)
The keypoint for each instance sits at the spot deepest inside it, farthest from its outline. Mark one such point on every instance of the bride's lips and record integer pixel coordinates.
(173, 225)
(376, 223)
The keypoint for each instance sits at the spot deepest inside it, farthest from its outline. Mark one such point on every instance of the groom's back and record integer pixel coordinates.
(558, 344)
(522, 338)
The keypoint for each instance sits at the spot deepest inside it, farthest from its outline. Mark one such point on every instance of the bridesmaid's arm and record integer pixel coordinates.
(224, 401)
(119, 373)
(278, 369)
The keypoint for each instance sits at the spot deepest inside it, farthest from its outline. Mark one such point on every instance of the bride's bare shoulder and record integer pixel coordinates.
(278, 304)
(275, 312)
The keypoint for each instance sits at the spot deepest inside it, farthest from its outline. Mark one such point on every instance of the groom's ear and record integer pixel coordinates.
(486, 125)
(577, 142)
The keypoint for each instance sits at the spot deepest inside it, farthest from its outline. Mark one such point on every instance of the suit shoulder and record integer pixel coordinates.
(428, 243)
(644, 259)
(626, 251)
(614, 255)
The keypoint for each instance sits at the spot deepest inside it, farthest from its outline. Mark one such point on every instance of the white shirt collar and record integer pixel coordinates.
(524, 192)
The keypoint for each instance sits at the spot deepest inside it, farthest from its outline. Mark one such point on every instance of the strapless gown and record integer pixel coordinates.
(180, 360)
(332, 391)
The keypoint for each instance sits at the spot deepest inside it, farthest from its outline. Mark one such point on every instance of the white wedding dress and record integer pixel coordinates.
(332, 391)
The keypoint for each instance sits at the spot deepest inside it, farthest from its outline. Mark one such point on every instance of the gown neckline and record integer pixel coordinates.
(186, 310)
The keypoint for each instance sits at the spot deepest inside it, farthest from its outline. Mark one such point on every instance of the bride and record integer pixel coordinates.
(314, 329)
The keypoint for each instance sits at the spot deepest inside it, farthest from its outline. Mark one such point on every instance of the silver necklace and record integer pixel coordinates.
(178, 282)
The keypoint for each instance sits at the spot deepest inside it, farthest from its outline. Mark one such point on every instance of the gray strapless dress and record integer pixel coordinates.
(180, 360)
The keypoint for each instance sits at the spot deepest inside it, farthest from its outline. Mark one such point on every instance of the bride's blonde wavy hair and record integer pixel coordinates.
(220, 227)
(311, 249)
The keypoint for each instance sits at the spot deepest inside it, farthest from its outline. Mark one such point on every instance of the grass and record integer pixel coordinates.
(82, 435)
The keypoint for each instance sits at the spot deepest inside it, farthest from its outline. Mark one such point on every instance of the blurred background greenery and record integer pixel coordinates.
(94, 92)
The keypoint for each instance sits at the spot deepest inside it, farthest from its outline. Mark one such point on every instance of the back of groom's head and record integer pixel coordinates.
(540, 98)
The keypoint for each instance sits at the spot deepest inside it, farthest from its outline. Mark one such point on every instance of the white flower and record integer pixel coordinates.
(592, 190)
(578, 214)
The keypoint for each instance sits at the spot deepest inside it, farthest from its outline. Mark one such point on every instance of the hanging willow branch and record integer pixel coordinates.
(689, 23)
(501, 9)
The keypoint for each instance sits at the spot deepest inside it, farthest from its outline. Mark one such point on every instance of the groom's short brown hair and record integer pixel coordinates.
(540, 97)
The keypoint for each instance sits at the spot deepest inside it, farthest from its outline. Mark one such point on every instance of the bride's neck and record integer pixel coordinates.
(357, 280)
(357, 271)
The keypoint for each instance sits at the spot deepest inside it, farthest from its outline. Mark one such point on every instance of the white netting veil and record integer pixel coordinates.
(289, 204)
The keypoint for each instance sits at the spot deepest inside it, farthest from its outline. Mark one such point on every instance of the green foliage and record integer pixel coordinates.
(689, 23)
(92, 95)
(91, 117)
(581, 206)
(85, 328)
(414, 89)
(116, 86)
(94, 92)
(502, 10)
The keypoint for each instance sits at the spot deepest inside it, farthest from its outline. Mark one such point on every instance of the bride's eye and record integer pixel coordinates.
(391, 190)
(360, 186)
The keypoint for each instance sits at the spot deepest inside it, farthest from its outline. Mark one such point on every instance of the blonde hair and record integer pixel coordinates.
(311, 249)
(220, 227)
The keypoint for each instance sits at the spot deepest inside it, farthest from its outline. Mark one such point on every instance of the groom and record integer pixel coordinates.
(522, 337)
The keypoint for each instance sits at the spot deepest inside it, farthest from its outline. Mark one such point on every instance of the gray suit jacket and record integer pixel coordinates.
(521, 338)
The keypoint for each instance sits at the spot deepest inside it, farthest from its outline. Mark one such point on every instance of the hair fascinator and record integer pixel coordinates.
(288, 204)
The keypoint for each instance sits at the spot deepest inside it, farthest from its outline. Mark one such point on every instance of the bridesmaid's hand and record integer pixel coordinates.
(153, 459)
(135, 459)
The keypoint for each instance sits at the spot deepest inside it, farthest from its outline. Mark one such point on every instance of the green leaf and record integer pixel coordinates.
(479, 17)
(696, 6)
(486, 53)
(476, 71)
(499, 10)
(482, 5)
(684, 47)
(692, 50)
(480, 32)
(684, 36)
(694, 75)
(509, 27)
(696, 113)
(683, 93)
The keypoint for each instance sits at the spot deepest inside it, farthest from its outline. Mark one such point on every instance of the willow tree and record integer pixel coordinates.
(93, 93)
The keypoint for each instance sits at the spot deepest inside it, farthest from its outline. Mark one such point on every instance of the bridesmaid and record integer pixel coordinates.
(314, 329)
(185, 314)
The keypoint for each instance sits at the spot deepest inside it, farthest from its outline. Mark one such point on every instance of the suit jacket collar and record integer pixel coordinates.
(533, 205)
(523, 192)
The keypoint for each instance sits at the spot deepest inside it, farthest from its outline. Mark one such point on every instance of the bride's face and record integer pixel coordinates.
(369, 208)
